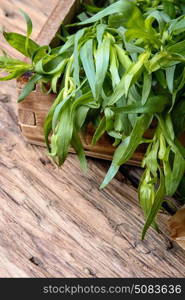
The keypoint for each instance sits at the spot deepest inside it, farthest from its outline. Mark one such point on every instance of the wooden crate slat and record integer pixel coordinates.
(62, 13)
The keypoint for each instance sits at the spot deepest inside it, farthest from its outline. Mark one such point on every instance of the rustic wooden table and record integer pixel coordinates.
(56, 222)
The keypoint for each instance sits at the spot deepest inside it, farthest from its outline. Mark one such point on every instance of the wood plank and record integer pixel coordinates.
(67, 9)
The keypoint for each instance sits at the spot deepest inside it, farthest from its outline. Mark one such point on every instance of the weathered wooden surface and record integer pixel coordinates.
(57, 223)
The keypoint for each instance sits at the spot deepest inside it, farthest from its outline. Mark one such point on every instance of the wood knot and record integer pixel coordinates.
(36, 261)
(45, 161)
(9, 14)
(4, 98)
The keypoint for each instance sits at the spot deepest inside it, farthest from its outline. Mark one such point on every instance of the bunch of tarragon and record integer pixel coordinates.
(121, 67)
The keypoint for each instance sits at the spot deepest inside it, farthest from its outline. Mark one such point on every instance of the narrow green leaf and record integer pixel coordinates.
(126, 149)
(29, 30)
(159, 198)
(64, 134)
(77, 145)
(86, 55)
(49, 117)
(146, 193)
(170, 72)
(129, 78)
(102, 63)
(29, 87)
(100, 30)
(155, 104)
(76, 73)
(28, 22)
(51, 65)
(147, 84)
(110, 174)
(173, 177)
(18, 41)
(122, 6)
(99, 131)
(114, 67)
(123, 57)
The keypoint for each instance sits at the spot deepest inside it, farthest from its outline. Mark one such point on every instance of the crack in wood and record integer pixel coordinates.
(36, 261)
(45, 161)
(9, 196)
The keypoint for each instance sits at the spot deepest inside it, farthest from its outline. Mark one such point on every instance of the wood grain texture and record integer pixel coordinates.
(57, 223)
(62, 13)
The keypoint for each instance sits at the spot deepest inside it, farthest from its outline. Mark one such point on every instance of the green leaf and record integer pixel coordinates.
(170, 72)
(146, 192)
(67, 47)
(100, 30)
(64, 135)
(114, 168)
(178, 25)
(178, 118)
(29, 87)
(40, 53)
(78, 37)
(102, 63)
(29, 30)
(126, 149)
(155, 104)
(49, 117)
(158, 200)
(110, 116)
(28, 22)
(130, 17)
(145, 36)
(77, 145)
(178, 48)
(151, 158)
(59, 108)
(169, 8)
(161, 78)
(86, 55)
(123, 57)
(18, 41)
(129, 78)
(142, 124)
(51, 65)
(174, 176)
(179, 87)
(122, 6)
(114, 67)
(147, 84)
(14, 67)
(99, 131)
(81, 116)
